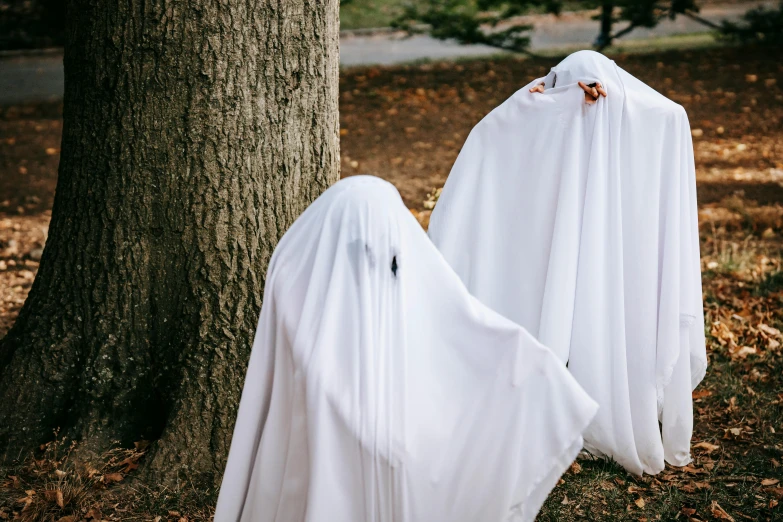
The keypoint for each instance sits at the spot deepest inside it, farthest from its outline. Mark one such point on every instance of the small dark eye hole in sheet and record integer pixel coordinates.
(394, 266)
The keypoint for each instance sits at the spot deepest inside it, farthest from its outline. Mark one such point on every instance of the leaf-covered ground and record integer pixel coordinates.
(406, 124)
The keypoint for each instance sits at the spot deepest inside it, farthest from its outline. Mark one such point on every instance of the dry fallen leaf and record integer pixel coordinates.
(112, 477)
(54, 495)
(720, 513)
(639, 503)
(742, 351)
(769, 482)
(709, 448)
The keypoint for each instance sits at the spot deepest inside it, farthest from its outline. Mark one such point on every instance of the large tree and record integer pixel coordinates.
(194, 133)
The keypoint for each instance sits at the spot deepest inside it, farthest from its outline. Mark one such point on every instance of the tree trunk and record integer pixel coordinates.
(194, 133)
(604, 38)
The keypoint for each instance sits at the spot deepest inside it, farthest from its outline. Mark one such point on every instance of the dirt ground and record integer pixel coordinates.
(407, 124)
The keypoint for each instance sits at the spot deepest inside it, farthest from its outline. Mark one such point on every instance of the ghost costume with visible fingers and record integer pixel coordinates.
(579, 222)
(378, 389)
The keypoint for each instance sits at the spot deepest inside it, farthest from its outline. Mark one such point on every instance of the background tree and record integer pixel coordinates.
(497, 22)
(194, 134)
(763, 25)
(31, 23)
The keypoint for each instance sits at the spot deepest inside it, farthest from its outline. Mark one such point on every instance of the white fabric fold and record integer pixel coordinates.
(579, 222)
(378, 389)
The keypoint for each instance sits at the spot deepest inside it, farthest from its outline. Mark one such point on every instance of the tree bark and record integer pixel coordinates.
(194, 133)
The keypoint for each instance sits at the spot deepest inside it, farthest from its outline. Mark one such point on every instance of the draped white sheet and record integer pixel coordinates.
(579, 222)
(378, 389)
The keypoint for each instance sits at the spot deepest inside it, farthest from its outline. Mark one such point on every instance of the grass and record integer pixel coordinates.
(55, 485)
(364, 14)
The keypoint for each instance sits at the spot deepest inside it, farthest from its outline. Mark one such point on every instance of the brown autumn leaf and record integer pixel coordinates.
(688, 511)
(639, 503)
(54, 495)
(772, 332)
(706, 446)
(129, 463)
(740, 352)
(112, 477)
(769, 482)
(94, 513)
(68, 518)
(720, 513)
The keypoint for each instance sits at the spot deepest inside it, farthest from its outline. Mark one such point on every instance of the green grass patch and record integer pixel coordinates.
(365, 14)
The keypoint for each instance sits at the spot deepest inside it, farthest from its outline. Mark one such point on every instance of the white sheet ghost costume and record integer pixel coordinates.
(579, 222)
(378, 389)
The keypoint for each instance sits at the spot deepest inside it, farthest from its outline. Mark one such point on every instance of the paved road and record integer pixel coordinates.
(40, 77)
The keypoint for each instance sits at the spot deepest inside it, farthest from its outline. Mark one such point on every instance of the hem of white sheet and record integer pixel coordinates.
(697, 374)
(678, 464)
(522, 512)
(527, 510)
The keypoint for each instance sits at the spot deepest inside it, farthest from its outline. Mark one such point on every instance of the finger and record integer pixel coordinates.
(586, 88)
(601, 90)
(538, 88)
